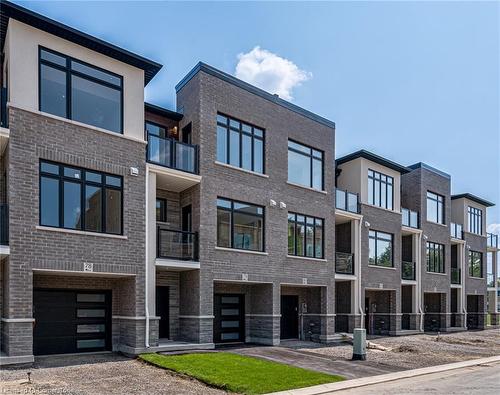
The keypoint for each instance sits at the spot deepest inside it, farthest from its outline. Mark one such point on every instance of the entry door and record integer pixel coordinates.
(70, 321)
(229, 323)
(289, 317)
(163, 311)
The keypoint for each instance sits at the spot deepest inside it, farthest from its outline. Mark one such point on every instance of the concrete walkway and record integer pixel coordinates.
(436, 378)
(320, 363)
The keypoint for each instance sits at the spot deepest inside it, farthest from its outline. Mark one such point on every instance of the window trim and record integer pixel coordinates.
(381, 183)
(311, 158)
(61, 178)
(376, 248)
(240, 142)
(477, 214)
(435, 246)
(69, 72)
(294, 254)
(470, 254)
(438, 197)
(231, 228)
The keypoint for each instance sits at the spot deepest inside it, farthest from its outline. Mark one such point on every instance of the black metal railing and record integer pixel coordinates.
(456, 231)
(490, 280)
(492, 240)
(172, 153)
(4, 224)
(4, 115)
(176, 244)
(344, 263)
(408, 270)
(409, 218)
(346, 201)
(456, 275)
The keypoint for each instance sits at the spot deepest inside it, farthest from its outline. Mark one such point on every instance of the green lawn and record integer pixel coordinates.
(238, 373)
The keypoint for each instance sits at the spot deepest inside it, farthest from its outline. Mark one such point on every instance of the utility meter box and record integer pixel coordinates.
(359, 344)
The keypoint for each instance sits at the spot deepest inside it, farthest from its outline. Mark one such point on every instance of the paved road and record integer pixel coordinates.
(475, 380)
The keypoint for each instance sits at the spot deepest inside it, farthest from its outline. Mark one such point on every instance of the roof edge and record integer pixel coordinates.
(374, 158)
(474, 198)
(252, 89)
(176, 116)
(422, 165)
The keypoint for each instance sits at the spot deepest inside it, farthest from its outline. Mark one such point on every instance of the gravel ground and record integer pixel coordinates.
(418, 351)
(95, 375)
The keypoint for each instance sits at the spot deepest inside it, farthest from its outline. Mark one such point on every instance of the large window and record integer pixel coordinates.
(75, 198)
(240, 225)
(435, 208)
(380, 190)
(305, 165)
(76, 90)
(475, 264)
(380, 249)
(475, 220)
(435, 257)
(305, 236)
(240, 144)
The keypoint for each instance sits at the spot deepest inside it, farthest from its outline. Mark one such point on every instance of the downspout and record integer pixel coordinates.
(419, 279)
(358, 261)
(146, 298)
(464, 296)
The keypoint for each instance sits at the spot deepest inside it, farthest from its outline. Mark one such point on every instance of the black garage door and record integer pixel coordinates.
(70, 321)
(229, 323)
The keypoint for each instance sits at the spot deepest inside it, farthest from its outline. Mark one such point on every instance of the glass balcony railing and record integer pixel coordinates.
(408, 270)
(490, 280)
(410, 218)
(172, 153)
(344, 263)
(456, 231)
(176, 244)
(456, 277)
(4, 224)
(346, 201)
(492, 240)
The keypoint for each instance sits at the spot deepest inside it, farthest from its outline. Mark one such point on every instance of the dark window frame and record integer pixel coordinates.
(311, 158)
(475, 220)
(240, 143)
(435, 266)
(69, 73)
(231, 228)
(163, 213)
(376, 238)
(439, 200)
(61, 178)
(372, 175)
(470, 256)
(295, 222)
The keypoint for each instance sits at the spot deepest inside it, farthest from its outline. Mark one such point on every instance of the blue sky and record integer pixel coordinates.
(411, 81)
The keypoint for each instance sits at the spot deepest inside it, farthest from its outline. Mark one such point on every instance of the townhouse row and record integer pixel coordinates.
(129, 227)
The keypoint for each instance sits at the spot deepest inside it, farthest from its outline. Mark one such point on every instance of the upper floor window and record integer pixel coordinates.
(305, 165)
(75, 90)
(305, 236)
(435, 257)
(240, 144)
(240, 225)
(380, 189)
(475, 220)
(74, 198)
(435, 208)
(475, 264)
(380, 249)
(161, 210)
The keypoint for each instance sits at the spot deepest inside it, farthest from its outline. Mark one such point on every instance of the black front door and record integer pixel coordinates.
(70, 321)
(289, 316)
(229, 323)
(162, 311)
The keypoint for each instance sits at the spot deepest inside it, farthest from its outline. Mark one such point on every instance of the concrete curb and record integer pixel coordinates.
(355, 383)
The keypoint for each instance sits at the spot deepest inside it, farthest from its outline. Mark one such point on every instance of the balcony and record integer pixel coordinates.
(173, 154)
(4, 224)
(344, 263)
(456, 231)
(408, 270)
(346, 201)
(410, 218)
(456, 277)
(176, 244)
(490, 280)
(492, 240)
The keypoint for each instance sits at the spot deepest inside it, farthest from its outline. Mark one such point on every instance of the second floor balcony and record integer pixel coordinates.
(409, 218)
(173, 154)
(4, 224)
(408, 270)
(456, 231)
(492, 240)
(344, 263)
(176, 244)
(346, 201)
(456, 277)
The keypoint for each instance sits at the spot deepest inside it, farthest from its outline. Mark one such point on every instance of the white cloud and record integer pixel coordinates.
(270, 72)
(494, 228)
